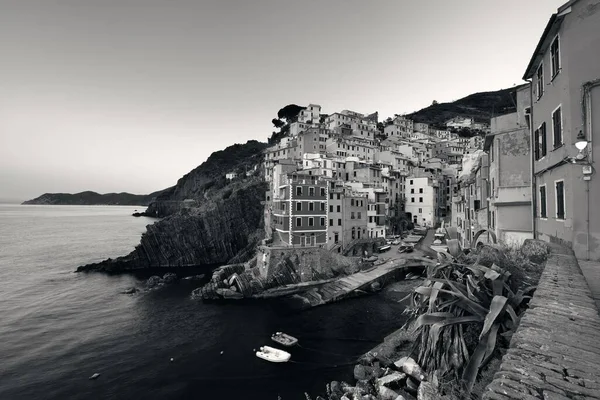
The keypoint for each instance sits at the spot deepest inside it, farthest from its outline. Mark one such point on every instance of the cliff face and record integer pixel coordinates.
(206, 219)
(222, 230)
(199, 183)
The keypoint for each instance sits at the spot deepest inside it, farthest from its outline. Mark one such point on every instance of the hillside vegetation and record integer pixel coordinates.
(480, 106)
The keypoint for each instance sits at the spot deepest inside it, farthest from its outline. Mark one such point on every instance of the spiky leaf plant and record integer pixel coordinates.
(459, 313)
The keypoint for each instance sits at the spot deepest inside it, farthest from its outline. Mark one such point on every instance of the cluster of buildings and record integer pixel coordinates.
(336, 179)
(536, 176)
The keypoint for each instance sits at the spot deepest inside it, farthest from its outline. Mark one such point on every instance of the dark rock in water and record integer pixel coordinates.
(360, 372)
(368, 359)
(154, 281)
(336, 389)
(130, 290)
(170, 277)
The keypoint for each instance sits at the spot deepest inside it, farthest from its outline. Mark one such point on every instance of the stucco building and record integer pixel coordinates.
(509, 181)
(565, 74)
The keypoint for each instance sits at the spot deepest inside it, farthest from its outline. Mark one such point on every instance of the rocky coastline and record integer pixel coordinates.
(205, 219)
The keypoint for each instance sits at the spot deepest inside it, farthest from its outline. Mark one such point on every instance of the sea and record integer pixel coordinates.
(58, 327)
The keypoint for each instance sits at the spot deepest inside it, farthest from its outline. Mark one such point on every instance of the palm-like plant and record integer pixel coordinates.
(458, 314)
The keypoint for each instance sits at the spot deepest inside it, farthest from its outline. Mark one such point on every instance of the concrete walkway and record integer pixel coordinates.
(591, 273)
(555, 352)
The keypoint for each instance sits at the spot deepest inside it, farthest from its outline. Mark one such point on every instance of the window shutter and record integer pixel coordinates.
(543, 144)
(537, 144)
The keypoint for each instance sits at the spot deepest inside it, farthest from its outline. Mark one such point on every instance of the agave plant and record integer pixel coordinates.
(458, 314)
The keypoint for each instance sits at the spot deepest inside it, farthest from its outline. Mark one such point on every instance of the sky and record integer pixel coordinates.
(130, 95)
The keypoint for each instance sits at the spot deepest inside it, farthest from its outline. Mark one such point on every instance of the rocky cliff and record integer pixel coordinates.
(206, 218)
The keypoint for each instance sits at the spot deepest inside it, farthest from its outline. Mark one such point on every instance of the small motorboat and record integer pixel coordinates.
(273, 355)
(284, 339)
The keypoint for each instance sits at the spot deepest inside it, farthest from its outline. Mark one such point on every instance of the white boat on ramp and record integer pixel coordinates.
(284, 339)
(273, 355)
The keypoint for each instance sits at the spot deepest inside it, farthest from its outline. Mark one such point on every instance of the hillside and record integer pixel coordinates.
(90, 198)
(480, 106)
(206, 219)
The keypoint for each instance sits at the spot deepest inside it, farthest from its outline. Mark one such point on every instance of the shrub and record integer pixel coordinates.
(461, 311)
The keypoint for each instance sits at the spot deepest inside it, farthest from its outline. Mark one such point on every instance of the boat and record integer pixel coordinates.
(273, 355)
(284, 339)
(384, 248)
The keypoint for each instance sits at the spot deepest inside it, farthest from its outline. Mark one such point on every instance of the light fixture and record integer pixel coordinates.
(581, 142)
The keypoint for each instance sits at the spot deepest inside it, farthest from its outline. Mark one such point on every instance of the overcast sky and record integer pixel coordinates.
(129, 95)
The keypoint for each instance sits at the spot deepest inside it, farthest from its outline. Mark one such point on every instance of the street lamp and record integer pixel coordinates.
(581, 142)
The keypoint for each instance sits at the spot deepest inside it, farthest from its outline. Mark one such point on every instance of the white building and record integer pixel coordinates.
(230, 175)
(421, 200)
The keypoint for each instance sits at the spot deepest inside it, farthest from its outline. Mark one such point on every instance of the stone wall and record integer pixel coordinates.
(310, 263)
(555, 352)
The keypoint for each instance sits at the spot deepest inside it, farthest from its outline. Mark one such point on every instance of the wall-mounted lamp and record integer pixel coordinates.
(581, 142)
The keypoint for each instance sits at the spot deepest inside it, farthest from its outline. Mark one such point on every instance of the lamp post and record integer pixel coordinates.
(581, 142)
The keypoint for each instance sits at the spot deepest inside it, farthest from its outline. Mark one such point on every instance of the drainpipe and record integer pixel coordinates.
(532, 173)
(586, 122)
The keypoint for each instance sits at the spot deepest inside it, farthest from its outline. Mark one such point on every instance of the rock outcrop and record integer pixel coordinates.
(228, 230)
(206, 219)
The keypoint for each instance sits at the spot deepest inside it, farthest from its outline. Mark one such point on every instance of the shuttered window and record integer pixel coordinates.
(543, 213)
(560, 200)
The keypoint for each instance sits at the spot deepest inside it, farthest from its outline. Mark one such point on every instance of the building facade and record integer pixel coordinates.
(565, 75)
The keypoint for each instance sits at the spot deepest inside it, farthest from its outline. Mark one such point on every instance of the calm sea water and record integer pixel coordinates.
(57, 327)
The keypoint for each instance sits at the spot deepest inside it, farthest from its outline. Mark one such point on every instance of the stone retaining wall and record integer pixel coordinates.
(555, 352)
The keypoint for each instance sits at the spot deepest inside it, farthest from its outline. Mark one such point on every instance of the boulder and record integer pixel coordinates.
(170, 277)
(360, 372)
(229, 294)
(385, 362)
(130, 290)
(386, 393)
(392, 379)
(411, 368)
(427, 391)
(154, 281)
(336, 388)
(368, 359)
(365, 387)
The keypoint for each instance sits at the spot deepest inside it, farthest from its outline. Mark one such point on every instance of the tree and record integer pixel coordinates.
(290, 113)
(277, 123)
(434, 103)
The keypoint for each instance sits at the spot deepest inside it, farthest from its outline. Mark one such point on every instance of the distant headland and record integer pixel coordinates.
(90, 198)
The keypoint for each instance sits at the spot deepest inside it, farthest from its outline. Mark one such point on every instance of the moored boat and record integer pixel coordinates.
(284, 339)
(273, 355)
